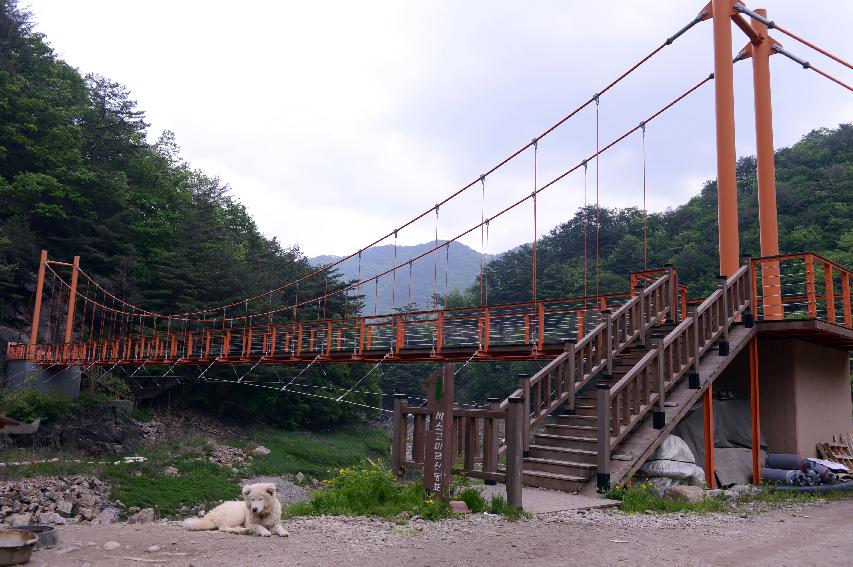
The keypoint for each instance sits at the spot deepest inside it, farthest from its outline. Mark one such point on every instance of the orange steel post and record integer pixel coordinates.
(72, 300)
(708, 409)
(727, 215)
(755, 411)
(487, 326)
(845, 297)
(34, 332)
(540, 328)
(766, 167)
(829, 290)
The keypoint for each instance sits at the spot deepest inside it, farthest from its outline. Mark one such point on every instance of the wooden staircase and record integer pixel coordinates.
(563, 456)
(573, 451)
(615, 392)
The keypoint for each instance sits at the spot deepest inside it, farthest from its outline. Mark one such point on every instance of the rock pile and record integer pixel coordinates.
(232, 457)
(152, 431)
(56, 500)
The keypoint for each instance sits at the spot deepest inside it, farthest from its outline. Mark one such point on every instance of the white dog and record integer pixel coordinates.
(259, 513)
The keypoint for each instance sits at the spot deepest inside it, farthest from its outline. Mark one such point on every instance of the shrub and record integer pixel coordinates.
(499, 505)
(368, 489)
(26, 405)
(473, 498)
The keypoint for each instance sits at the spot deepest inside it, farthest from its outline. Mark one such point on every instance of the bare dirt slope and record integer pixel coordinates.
(800, 535)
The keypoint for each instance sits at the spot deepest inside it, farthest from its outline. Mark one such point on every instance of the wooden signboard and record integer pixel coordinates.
(438, 452)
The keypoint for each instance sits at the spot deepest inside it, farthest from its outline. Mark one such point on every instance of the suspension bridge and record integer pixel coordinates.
(625, 366)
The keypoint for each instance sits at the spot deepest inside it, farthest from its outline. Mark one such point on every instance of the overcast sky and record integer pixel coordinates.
(333, 122)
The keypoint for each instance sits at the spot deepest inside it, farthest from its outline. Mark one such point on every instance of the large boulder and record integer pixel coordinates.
(98, 429)
(688, 493)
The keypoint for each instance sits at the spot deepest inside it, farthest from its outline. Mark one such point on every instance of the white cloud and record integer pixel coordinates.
(336, 121)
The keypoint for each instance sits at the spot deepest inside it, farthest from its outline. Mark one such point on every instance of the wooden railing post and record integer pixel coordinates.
(524, 386)
(659, 415)
(608, 339)
(398, 437)
(746, 283)
(603, 446)
(641, 298)
(490, 440)
(515, 434)
(723, 343)
(570, 383)
(693, 375)
(669, 296)
(811, 296)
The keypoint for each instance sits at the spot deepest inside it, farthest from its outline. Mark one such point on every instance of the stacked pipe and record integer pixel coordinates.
(796, 470)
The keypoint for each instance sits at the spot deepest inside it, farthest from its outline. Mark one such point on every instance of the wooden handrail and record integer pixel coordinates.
(631, 374)
(622, 406)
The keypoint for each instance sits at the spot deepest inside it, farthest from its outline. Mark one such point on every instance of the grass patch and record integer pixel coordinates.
(772, 495)
(198, 482)
(315, 455)
(369, 489)
(63, 466)
(201, 482)
(142, 414)
(641, 497)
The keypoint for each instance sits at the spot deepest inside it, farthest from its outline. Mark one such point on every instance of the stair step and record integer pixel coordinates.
(577, 419)
(537, 464)
(561, 453)
(566, 441)
(554, 481)
(585, 410)
(571, 430)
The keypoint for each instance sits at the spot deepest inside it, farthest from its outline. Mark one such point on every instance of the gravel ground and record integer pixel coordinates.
(794, 535)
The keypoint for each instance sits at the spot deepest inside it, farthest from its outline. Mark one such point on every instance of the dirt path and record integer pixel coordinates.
(817, 534)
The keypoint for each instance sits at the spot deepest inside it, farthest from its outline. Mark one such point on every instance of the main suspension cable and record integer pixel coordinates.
(420, 216)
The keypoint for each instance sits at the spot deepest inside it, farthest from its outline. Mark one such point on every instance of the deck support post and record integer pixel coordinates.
(708, 410)
(755, 411)
(515, 434)
(602, 476)
(398, 439)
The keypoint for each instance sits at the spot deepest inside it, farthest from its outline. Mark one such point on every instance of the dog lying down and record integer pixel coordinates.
(259, 514)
